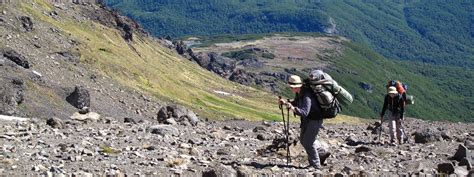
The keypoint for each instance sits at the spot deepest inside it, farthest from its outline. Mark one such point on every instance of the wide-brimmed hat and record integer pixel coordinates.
(392, 89)
(295, 81)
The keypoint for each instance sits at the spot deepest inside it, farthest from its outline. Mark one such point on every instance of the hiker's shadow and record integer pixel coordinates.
(258, 165)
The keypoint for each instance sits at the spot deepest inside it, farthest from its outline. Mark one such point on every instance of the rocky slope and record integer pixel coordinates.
(49, 48)
(109, 146)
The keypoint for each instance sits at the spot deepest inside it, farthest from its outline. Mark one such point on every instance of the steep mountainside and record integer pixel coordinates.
(47, 50)
(428, 31)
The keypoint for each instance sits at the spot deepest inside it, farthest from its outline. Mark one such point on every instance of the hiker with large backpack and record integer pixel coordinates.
(395, 103)
(307, 107)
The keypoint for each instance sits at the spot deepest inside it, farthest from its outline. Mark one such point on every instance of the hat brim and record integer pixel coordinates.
(394, 92)
(295, 85)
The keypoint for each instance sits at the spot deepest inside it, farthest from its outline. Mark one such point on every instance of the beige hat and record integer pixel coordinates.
(392, 89)
(295, 81)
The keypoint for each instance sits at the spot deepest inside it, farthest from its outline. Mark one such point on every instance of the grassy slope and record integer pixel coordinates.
(161, 72)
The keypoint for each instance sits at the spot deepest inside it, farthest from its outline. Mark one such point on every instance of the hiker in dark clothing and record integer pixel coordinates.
(306, 106)
(396, 106)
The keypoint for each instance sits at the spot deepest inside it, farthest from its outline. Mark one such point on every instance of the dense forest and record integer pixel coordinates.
(429, 31)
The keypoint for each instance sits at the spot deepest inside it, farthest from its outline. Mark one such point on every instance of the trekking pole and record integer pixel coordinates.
(380, 130)
(282, 115)
(404, 131)
(288, 155)
(285, 130)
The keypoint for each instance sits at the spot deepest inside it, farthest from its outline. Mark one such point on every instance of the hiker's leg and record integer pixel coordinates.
(392, 125)
(309, 141)
(399, 131)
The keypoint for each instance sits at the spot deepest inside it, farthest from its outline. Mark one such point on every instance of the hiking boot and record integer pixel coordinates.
(313, 167)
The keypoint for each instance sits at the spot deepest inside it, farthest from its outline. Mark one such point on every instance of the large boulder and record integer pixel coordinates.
(79, 98)
(427, 136)
(178, 113)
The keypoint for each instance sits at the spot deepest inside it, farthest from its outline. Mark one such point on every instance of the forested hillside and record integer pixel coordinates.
(429, 31)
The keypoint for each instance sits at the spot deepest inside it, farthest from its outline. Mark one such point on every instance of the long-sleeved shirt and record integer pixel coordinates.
(395, 105)
(306, 105)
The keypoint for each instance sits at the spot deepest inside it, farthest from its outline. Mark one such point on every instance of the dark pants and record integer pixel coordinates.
(308, 136)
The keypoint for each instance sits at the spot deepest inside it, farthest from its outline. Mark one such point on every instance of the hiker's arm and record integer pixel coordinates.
(384, 108)
(304, 109)
(402, 109)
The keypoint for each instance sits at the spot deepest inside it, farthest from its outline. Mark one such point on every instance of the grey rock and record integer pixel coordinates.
(2, 61)
(259, 129)
(26, 23)
(227, 128)
(195, 141)
(261, 137)
(129, 120)
(15, 57)
(87, 152)
(222, 152)
(352, 141)
(202, 59)
(170, 121)
(70, 56)
(91, 116)
(447, 168)
(220, 170)
(427, 136)
(79, 98)
(55, 123)
(178, 111)
(192, 118)
(163, 114)
(164, 130)
(362, 149)
(150, 148)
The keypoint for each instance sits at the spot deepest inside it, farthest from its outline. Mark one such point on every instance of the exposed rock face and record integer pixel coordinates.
(79, 98)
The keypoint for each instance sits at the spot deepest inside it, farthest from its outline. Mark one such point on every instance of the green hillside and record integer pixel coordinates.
(435, 98)
(430, 31)
(440, 91)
